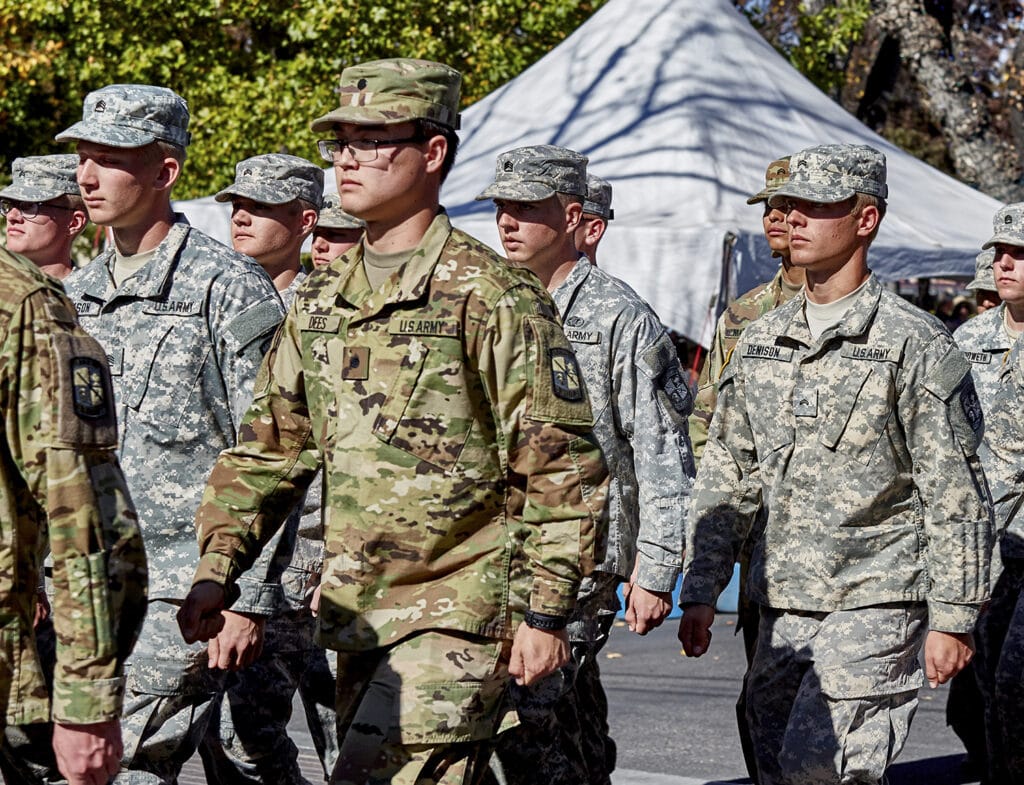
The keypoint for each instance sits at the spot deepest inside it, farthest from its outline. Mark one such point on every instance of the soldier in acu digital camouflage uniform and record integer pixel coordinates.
(990, 341)
(640, 401)
(44, 211)
(852, 418)
(274, 202)
(184, 322)
(61, 490)
(984, 282)
(597, 213)
(335, 233)
(434, 386)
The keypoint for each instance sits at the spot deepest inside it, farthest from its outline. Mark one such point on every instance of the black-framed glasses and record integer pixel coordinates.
(363, 151)
(28, 210)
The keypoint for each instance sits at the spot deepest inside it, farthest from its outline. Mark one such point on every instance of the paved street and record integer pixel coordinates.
(674, 721)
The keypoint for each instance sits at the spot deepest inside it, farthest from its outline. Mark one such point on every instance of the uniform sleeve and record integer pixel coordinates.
(61, 430)
(245, 312)
(533, 382)
(707, 391)
(726, 495)
(652, 402)
(941, 415)
(257, 483)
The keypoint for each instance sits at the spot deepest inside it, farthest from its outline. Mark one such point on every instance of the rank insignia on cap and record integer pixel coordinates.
(101, 106)
(508, 167)
(565, 375)
(1008, 219)
(89, 388)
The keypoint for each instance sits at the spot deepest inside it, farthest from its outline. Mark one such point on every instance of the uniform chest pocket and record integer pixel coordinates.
(859, 410)
(428, 411)
(162, 368)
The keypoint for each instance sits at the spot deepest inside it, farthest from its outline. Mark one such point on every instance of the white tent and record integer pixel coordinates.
(681, 104)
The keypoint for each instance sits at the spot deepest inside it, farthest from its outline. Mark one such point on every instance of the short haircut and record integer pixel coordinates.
(429, 129)
(862, 200)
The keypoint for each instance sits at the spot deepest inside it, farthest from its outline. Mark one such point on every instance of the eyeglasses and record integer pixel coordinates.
(362, 151)
(28, 210)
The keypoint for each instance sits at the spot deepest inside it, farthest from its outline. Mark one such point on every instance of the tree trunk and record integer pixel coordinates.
(981, 156)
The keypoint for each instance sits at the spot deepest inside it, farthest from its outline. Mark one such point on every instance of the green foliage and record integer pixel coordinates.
(254, 73)
(816, 40)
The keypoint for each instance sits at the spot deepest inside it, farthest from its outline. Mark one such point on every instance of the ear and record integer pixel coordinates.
(167, 175)
(573, 216)
(309, 218)
(77, 223)
(868, 220)
(595, 230)
(437, 149)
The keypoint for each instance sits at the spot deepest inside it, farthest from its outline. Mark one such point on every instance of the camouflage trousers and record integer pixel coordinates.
(421, 712)
(830, 696)
(170, 698)
(1000, 669)
(564, 717)
(247, 742)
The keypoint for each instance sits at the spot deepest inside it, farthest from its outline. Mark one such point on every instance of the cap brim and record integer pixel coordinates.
(761, 196)
(264, 193)
(517, 192)
(24, 193)
(106, 134)
(355, 115)
(988, 285)
(338, 223)
(1004, 239)
(820, 194)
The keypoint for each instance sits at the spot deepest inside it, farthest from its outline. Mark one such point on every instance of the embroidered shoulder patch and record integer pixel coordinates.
(566, 380)
(89, 387)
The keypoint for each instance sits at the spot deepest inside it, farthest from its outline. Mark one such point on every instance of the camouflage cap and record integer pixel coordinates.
(40, 178)
(833, 173)
(333, 217)
(774, 178)
(131, 115)
(276, 178)
(984, 277)
(386, 92)
(532, 174)
(1008, 226)
(599, 198)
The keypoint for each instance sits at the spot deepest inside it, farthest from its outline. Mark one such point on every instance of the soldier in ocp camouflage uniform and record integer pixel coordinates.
(184, 321)
(274, 203)
(44, 211)
(851, 417)
(640, 401)
(463, 490)
(62, 491)
(990, 341)
(335, 233)
(748, 306)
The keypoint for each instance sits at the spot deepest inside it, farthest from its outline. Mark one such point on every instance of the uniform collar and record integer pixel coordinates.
(855, 321)
(153, 280)
(414, 275)
(566, 291)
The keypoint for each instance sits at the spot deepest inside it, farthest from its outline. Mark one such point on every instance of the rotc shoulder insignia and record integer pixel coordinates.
(88, 387)
(566, 380)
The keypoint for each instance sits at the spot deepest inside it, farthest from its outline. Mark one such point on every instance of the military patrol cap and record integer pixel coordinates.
(333, 217)
(599, 198)
(831, 173)
(774, 177)
(532, 174)
(1008, 226)
(40, 178)
(984, 277)
(131, 115)
(387, 92)
(276, 178)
